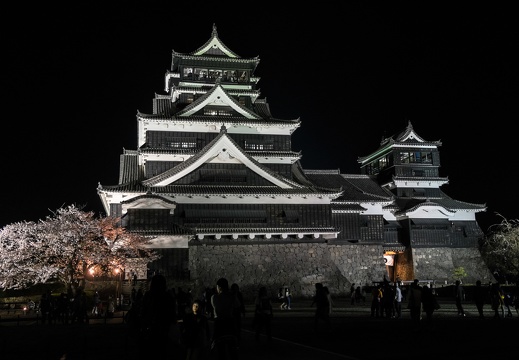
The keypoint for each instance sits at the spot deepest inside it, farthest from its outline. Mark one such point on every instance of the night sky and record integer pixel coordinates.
(74, 78)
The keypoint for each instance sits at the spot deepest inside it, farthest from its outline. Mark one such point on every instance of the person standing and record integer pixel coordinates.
(195, 332)
(322, 307)
(508, 302)
(282, 299)
(97, 301)
(398, 301)
(111, 307)
(288, 297)
(158, 314)
(329, 297)
(480, 295)
(459, 294)
(352, 294)
(428, 302)
(414, 302)
(79, 307)
(516, 299)
(497, 297)
(388, 301)
(63, 309)
(133, 315)
(263, 314)
(46, 308)
(224, 334)
(376, 301)
(359, 295)
(239, 311)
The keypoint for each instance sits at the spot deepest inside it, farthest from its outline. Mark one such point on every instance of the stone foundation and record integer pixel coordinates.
(300, 265)
(439, 263)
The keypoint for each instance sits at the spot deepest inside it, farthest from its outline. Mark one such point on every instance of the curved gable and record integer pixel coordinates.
(217, 96)
(214, 46)
(147, 202)
(221, 150)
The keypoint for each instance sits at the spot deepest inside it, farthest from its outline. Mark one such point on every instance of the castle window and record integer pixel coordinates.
(243, 76)
(437, 224)
(143, 219)
(225, 216)
(182, 143)
(426, 157)
(201, 74)
(259, 145)
(213, 111)
(382, 163)
(229, 76)
(418, 192)
(415, 157)
(215, 74)
(188, 73)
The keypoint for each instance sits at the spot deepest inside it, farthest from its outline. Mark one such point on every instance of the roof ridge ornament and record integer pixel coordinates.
(223, 129)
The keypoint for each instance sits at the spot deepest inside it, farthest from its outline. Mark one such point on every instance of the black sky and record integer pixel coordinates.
(73, 79)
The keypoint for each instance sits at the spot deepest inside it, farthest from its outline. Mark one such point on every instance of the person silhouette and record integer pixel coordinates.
(288, 297)
(263, 314)
(479, 298)
(398, 301)
(224, 333)
(414, 302)
(496, 298)
(322, 307)
(428, 302)
(239, 312)
(158, 314)
(459, 295)
(195, 332)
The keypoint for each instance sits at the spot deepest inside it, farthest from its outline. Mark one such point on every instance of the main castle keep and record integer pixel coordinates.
(216, 186)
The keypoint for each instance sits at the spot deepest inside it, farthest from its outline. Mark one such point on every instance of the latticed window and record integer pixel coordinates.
(408, 157)
(225, 216)
(182, 143)
(259, 145)
(148, 219)
(218, 111)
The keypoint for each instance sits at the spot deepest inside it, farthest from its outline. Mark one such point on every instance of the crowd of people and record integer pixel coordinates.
(68, 308)
(155, 312)
(422, 300)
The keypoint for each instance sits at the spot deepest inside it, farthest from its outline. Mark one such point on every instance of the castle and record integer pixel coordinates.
(216, 186)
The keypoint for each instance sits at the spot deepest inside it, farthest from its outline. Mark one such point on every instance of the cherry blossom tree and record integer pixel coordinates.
(64, 246)
(20, 266)
(501, 248)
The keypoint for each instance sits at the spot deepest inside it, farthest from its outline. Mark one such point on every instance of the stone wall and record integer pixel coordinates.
(296, 265)
(300, 265)
(439, 263)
